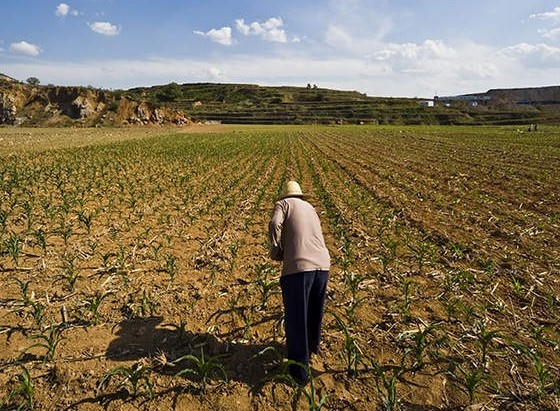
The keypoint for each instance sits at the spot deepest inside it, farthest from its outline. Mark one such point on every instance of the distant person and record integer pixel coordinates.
(296, 239)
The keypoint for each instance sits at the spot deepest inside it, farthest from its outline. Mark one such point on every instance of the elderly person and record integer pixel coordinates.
(296, 239)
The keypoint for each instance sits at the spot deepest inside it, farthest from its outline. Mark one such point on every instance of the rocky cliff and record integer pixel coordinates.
(34, 105)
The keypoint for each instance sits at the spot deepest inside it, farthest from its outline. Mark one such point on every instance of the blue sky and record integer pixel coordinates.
(411, 48)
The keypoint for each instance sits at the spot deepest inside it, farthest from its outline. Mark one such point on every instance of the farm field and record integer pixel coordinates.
(135, 272)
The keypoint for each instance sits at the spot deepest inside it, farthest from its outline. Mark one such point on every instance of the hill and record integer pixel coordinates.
(253, 104)
(36, 105)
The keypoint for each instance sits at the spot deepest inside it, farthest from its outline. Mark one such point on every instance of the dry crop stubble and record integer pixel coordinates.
(144, 246)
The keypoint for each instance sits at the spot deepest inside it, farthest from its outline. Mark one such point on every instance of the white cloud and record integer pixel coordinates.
(105, 28)
(412, 53)
(215, 74)
(220, 36)
(550, 33)
(553, 16)
(63, 10)
(271, 30)
(354, 27)
(25, 48)
(533, 55)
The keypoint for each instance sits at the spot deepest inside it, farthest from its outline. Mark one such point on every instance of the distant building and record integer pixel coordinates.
(472, 100)
(426, 103)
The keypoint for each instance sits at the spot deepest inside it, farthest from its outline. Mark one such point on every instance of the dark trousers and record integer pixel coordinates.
(303, 295)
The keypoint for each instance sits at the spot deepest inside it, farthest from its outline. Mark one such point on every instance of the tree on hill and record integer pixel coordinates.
(34, 81)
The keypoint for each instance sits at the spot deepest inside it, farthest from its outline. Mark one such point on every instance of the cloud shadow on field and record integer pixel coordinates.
(150, 338)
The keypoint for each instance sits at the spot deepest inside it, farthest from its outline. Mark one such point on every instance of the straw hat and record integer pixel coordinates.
(291, 189)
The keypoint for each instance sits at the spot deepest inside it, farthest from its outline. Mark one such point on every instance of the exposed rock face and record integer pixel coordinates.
(32, 105)
(8, 109)
(134, 112)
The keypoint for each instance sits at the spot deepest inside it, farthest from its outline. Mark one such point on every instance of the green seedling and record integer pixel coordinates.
(86, 219)
(421, 342)
(38, 313)
(485, 338)
(307, 390)
(133, 379)
(24, 288)
(170, 266)
(49, 340)
(69, 274)
(386, 383)
(264, 285)
(202, 368)
(41, 238)
(544, 373)
(406, 287)
(353, 354)
(423, 251)
(91, 305)
(13, 247)
(21, 397)
(353, 281)
(468, 379)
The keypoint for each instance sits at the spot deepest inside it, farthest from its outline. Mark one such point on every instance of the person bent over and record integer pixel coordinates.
(297, 240)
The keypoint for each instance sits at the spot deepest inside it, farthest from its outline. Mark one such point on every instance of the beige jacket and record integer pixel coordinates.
(296, 237)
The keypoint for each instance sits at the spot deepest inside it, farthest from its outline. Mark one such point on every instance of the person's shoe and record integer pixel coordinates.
(299, 374)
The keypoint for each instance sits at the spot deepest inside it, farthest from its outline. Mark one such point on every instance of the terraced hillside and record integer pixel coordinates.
(253, 104)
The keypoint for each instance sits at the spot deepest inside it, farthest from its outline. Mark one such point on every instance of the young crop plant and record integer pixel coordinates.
(86, 219)
(202, 368)
(147, 306)
(235, 310)
(38, 313)
(419, 343)
(485, 338)
(488, 266)
(13, 246)
(386, 380)
(22, 396)
(468, 378)
(353, 354)
(65, 231)
(49, 340)
(264, 285)
(308, 390)
(314, 402)
(389, 253)
(144, 307)
(24, 289)
(407, 300)
(170, 266)
(516, 286)
(41, 238)
(544, 373)
(423, 252)
(91, 304)
(3, 222)
(135, 379)
(28, 211)
(69, 274)
(354, 282)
